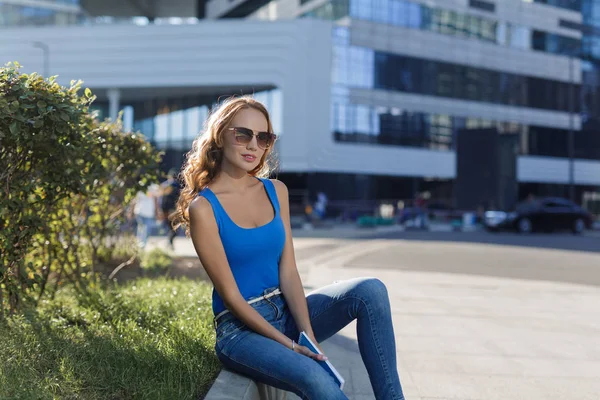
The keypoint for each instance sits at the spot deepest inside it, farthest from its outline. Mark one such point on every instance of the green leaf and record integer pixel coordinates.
(41, 104)
(14, 127)
(88, 92)
(61, 128)
(65, 116)
(38, 123)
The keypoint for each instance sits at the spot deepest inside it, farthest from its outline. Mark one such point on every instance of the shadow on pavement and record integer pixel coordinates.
(578, 263)
(557, 241)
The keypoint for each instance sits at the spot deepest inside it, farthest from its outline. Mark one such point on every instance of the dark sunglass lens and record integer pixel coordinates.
(265, 139)
(243, 135)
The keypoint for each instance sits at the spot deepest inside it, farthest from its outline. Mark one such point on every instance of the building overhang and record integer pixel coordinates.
(128, 95)
(144, 8)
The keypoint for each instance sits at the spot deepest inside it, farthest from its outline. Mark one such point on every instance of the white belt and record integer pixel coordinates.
(273, 293)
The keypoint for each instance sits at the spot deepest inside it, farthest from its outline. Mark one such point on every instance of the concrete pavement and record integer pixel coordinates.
(465, 335)
(475, 318)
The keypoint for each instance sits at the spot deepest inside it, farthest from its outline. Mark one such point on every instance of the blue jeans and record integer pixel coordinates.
(330, 309)
(144, 224)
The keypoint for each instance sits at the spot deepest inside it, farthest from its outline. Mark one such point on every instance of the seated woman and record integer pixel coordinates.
(239, 223)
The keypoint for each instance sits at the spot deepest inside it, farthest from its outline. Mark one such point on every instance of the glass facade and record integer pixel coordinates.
(574, 5)
(370, 69)
(591, 41)
(38, 15)
(357, 67)
(590, 88)
(412, 75)
(358, 123)
(447, 22)
(173, 124)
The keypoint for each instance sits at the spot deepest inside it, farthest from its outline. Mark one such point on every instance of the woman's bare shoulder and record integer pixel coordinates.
(279, 186)
(200, 209)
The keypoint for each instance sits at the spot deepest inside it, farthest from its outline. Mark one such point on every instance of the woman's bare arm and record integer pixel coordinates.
(289, 278)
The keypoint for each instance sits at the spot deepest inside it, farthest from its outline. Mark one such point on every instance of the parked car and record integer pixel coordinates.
(546, 214)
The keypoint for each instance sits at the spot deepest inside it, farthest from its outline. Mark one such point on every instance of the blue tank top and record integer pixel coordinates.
(253, 253)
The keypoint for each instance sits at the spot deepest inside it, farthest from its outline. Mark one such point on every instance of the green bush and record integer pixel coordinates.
(156, 261)
(66, 180)
(368, 222)
(365, 221)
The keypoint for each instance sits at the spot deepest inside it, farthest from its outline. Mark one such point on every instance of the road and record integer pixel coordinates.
(561, 258)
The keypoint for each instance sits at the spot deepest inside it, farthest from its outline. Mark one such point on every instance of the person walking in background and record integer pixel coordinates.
(169, 190)
(144, 210)
(239, 222)
(321, 205)
(421, 220)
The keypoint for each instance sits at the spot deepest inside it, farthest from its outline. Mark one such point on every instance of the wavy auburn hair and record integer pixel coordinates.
(203, 161)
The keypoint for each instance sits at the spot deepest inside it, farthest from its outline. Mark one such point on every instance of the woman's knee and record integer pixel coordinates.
(372, 288)
(373, 292)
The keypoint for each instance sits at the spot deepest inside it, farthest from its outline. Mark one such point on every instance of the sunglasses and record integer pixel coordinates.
(244, 136)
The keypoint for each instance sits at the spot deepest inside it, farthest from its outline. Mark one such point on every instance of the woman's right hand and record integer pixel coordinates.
(306, 351)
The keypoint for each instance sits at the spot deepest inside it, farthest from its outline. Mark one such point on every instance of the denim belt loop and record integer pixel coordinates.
(274, 307)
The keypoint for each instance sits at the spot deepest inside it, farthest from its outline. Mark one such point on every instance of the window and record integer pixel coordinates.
(568, 4)
(520, 37)
(482, 5)
(502, 33)
(412, 15)
(563, 23)
(161, 130)
(488, 30)
(381, 11)
(177, 130)
(359, 123)
(413, 75)
(538, 41)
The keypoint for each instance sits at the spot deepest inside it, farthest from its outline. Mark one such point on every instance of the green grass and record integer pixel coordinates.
(148, 339)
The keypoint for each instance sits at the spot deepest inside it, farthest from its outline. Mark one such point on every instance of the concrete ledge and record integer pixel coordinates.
(231, 386)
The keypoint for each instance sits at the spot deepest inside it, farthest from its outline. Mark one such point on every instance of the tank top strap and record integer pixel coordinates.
(271, 192)
(218, 210)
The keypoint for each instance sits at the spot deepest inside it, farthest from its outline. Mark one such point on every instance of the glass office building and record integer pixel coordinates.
(498, 78)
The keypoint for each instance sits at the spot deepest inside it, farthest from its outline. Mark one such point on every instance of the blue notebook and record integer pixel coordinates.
(304, 340)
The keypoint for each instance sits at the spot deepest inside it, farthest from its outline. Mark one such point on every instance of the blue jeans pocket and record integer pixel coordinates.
(227, 328)
(228, 332)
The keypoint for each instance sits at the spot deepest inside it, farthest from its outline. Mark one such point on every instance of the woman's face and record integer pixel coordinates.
(242, 148)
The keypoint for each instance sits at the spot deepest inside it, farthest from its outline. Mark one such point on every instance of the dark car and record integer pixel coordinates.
(547, 214)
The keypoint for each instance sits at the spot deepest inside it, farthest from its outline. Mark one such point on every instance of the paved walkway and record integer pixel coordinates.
(462, 335)
(466, 337)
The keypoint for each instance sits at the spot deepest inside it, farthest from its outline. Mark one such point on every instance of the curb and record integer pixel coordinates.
(231, 386)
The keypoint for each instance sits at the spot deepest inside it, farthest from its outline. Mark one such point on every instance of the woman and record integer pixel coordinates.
(239, 223)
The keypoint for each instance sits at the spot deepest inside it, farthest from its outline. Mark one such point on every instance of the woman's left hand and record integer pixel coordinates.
(318, 346)
(306, 351)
